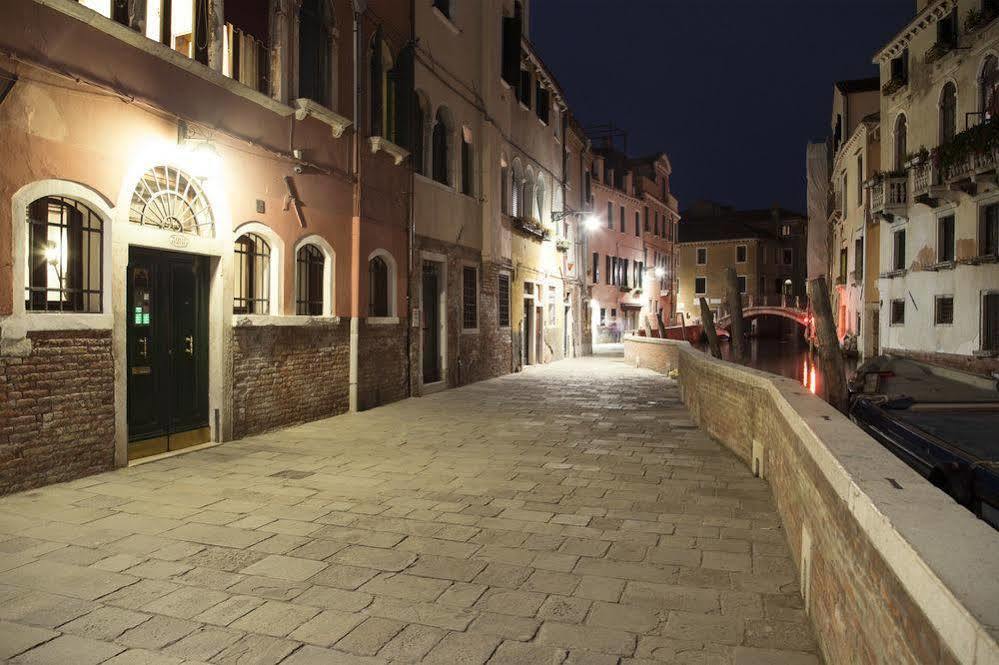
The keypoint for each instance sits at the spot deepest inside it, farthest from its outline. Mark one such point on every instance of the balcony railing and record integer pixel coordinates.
(925, 180)
(890, 194)
(246, 59)
(531, 227)
(971, 165)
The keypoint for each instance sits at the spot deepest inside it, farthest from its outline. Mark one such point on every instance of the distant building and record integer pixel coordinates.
(766, 248)
(631, 257)
(853, 233)
(938, 202)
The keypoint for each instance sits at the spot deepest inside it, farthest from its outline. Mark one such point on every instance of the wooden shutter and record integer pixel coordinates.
(38, 217)
(73, 276)
(375, 94)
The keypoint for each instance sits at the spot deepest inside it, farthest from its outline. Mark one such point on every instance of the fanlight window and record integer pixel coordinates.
(169, 199)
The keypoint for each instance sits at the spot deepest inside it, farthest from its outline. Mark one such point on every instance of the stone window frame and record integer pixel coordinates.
(329, 274)
(936, 309)
(940, 109)
(22, 320)
(901, 156)
(704, 291)
(990, 199)
(393, 288)
(745, 253)
(891, 312)
(276, 286)
(979, 75)
(697, 256)
(466, 265)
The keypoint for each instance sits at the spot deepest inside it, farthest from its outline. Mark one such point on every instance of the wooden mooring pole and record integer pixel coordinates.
(738, 329)
(830, 355)
(708, 323)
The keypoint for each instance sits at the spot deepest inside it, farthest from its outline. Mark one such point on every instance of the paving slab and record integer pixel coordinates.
(568, 513)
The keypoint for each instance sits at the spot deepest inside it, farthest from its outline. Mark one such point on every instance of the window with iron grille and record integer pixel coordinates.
(252, 272)
(378, 287)
(309, 265)
(65, 260)
(897, 312)
(944, 310)
(503, 297)
(469, 298)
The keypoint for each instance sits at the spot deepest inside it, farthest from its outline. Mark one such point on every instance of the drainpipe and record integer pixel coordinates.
(411, 216)
(355, 239)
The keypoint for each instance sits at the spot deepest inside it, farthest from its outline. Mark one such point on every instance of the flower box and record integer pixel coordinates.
(562, 245)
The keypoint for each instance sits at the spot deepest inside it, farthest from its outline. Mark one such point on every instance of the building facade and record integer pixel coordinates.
(765, 247)
(631, 259)
(938, 202)
(853, 234)
(181, 269)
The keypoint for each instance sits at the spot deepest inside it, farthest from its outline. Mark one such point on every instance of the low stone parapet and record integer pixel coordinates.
(653, 353)
(891, 569)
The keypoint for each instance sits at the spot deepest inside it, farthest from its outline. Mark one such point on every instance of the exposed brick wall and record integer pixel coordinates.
(860, 610)
(381, 364)
(56, 410)
(970, 364)
(473, 356)
(284, 375)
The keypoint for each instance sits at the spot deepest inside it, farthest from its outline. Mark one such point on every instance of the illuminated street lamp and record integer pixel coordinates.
(660, 272)
(591, 223)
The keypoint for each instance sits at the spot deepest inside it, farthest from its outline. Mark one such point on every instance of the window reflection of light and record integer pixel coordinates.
(812, 381)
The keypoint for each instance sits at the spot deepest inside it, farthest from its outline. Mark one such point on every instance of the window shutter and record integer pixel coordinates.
(512, 30)
(73, 277)
(375, 93)
(38, 213)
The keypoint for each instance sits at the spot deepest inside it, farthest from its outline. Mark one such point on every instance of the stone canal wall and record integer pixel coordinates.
(892, 570)
(56, 409)
(653, 353)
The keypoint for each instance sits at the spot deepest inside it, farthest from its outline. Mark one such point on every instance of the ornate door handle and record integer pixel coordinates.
(143, 345)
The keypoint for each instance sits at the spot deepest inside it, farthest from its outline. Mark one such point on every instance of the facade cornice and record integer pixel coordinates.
(596, 184)
(858, 139)
(724, 241)
(930, 14)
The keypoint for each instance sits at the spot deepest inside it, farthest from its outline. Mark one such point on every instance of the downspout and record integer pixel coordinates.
(355, 239)
(411, 213)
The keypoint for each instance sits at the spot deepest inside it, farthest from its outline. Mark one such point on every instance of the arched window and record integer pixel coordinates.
(309, 265)
(440, 148)
(419, 133)
(988, 84)
(504, 187)
(315, 51)
(252, 270)
(466, 161)
(517, 201)
(64, 257)
(948, 113)
(539, 199)
(527, 195)
(901, 139)
(378, 287)
(383, 90)
(169, 199)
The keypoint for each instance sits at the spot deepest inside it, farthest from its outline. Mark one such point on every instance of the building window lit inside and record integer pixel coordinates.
(64, 266)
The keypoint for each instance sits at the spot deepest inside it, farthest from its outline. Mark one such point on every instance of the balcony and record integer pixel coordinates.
(927, 185)
(246, 59)
(889, 194)
(531, 228)
(969, 160)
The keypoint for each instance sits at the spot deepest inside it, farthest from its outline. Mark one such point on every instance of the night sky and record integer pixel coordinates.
(732, 90)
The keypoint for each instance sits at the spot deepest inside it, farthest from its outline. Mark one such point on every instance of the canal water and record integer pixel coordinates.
(785, 356)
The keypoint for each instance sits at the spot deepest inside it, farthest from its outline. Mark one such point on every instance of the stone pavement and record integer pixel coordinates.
(567, 514)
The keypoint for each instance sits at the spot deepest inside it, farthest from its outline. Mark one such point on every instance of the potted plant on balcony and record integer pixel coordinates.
(625, 288)
(937, 51)
(917, 158)
(976, 19)
(562, 245)
(979, 140)
(893, 85)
